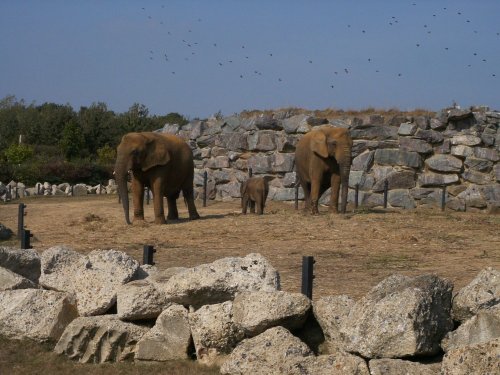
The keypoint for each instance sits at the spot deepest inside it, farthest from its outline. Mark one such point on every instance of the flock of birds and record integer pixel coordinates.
(241, 59)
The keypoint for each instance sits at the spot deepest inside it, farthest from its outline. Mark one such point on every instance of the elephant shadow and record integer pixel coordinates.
(201, 218)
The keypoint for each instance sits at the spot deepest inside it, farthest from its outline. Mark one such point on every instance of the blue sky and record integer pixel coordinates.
(201, 57)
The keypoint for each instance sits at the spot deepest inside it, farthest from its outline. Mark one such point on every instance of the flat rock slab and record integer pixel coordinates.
(479, 359)
(98, 339)
(139, 299)
(36, 314)
(255, 312)
(220, 281)
(94, 278)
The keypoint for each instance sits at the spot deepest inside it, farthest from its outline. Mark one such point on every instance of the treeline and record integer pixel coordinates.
(53, 142)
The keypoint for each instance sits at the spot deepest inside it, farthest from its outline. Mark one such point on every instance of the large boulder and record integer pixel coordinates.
(482, 292)
(444, 163)
(10, 280)
(266, 353)
(98, 339)
(330, 312)
(400, 317)
(5, 233)
(387, 366)
(255, 312)
(139, 299)
(94, 278)
(214, 332)
(340, 363)
(24, 262)
(35, 314)
(481, 328)
(220, 281)
(169, 339)
(479, 359)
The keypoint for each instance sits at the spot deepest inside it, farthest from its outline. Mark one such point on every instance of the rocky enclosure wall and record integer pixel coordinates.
(457, 148)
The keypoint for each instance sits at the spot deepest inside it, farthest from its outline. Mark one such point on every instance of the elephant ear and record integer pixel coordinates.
(156, 154)
(318, 144)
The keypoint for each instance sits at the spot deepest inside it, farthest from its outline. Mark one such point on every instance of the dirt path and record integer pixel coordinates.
(352, 252)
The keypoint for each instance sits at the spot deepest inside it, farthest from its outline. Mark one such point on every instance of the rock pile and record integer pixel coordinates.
(106, 307)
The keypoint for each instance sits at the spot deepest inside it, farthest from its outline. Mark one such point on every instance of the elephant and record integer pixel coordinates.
(255, 190)
(323, 160)
(161, 162)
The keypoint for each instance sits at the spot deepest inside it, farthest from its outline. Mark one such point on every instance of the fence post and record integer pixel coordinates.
(20, 220)
(296, 195)
(37, 189)
(386, 188)
(443, 198)
(307, 275)
(147, 255)
(250, 172)
(72, 191)
(205, 179)
(25, 239)
(356, 196)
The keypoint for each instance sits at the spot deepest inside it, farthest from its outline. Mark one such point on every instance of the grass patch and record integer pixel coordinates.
(391, 262)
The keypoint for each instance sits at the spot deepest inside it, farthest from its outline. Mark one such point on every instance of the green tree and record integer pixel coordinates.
(18, 153)
(72, 141)
(106, 155)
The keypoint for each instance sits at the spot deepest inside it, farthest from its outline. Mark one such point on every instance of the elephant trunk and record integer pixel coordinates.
(345, 169)
(121, 174)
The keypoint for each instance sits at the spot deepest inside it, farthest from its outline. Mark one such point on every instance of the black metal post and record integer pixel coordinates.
(443, 198)
(20, 220)
(307, 276)
(38, 189)
(250, 172)
(205, 180)
(25, 239)
(296, 195)
(386, 189)
(147, 194)
(147, 256)
(71, 189)
(356, 196)
(10, 192)
(16, 193)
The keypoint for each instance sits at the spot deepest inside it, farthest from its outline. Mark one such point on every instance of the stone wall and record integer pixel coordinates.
(417, 155)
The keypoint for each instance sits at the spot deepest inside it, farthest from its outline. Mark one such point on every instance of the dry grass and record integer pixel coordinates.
(353, 252)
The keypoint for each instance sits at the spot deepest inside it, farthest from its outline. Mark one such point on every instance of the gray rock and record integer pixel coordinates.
(374, 132)
(10, 281)
(214, 332)
(486, 153)
(5, 233)
(407, 128)
(217, 162)
(229, 190)
(473, 197)
(462, 151)
(316, 121)
(496, 172)
(35, 314)
(436, 179)
(490, 192)
(404, 317)
(363, 162)
(466, 140)
(397, 157)
(401, 198)
(94, 278)
(263, 140)
(443, 148)
(289, 180)
(255, 312)
(266, 353)
(282, 162)
(386, 366)
(99, 339)
(284, 194)
(416, 145)
(430, 136)
(481, 328)
(339, 363)
(220, 281)
(330, 312)
(444, 163)
(396, 180)
(436, 124)
(24, 262)
(479, 165)
(360, 178)
(268, 122)
(79, 190)
(479, 359)
(286, 142)
(232, 141)
(260, 163)
(483, 292)
(296, 124)
(457, 114)
(139, 299)
(169, 339)
(476, 177)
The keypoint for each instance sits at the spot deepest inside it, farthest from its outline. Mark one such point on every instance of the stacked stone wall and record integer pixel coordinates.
(416, 155)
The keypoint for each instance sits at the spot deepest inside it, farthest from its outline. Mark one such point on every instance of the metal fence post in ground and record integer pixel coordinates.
(443, 198)
(386, 188)
(356, 196)
(296, 195)
(37, 189)
(205, 180)
(250, 172)
(307, 275)
(25, 239)
(147, 257)
(20, 220)
(72, 191)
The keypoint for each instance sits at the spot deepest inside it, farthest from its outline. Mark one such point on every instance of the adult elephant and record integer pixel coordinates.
(162, 162)
(323, 160)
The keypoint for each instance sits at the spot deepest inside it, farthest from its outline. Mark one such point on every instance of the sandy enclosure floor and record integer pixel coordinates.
(353, 252)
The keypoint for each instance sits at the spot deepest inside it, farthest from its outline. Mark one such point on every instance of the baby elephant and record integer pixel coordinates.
(255, 190)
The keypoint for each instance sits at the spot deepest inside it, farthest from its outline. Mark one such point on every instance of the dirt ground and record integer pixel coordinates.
(353, 252)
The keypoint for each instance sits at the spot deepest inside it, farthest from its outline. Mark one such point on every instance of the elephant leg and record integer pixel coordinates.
(334, 198)
(307, 195)
(158, 205)
(260, 206)
(189, 199)
(252, 206)
(138, 199)
(244, 204)
(173, 214)
(315, 186)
